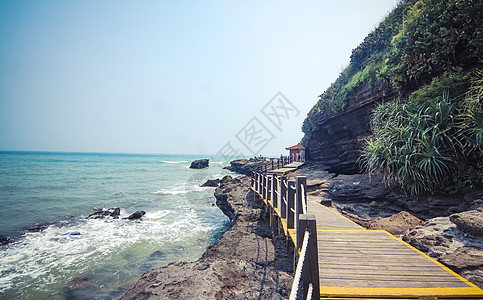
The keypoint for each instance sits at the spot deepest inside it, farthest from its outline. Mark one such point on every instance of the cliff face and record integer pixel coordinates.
(338, 140)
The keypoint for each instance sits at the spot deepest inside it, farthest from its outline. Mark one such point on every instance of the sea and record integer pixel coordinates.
(58, 253)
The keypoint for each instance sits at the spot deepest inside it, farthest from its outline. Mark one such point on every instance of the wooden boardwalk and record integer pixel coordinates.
(359, 263)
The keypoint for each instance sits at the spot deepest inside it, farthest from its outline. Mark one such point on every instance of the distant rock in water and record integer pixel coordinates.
(200, 164)
(157, 255)
(4, 240)
(79, 283)
(100, 213)
(211, 183)
(136, 215)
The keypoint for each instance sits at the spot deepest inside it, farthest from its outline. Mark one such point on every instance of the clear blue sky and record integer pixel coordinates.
(168, 76)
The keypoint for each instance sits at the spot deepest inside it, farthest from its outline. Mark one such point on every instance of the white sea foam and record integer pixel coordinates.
(174, 161)
(75, 247)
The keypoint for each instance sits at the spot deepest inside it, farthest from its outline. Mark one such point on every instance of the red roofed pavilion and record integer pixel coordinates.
(297, 152)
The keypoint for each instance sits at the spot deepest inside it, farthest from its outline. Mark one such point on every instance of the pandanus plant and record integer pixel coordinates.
(427, 145)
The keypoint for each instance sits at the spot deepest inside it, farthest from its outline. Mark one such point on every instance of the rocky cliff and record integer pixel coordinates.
(338, 139)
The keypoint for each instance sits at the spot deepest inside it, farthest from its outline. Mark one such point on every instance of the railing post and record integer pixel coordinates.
(299, 181)
(310, 272)
(283, 194)
(290, 204)
(263, 187)
(269, 188)
(273, 193)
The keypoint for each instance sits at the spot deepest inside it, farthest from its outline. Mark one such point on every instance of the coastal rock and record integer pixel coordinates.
(358, 188)
(200, 164)
(136, 215)
(100, 213)
(211, 183)
(396, 224)
(470, 222)
(246, 167)
(226, 179)
(463, 258)
(4, 240)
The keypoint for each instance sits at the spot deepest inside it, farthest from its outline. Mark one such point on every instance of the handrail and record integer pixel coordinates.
(300, 265)
(304, 201)
(287, 199)
(310, 291)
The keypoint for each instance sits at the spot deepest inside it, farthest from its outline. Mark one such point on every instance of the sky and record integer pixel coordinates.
(154, 76)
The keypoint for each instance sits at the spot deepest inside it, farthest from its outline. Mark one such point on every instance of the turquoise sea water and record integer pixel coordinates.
(56, 191)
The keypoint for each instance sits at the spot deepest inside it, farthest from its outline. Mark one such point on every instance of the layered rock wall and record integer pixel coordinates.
(338, 140)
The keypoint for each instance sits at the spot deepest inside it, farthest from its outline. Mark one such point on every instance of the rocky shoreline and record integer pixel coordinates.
(252, 262)
(249, 262)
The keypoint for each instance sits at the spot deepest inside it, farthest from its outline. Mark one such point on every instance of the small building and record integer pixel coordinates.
(297, 152)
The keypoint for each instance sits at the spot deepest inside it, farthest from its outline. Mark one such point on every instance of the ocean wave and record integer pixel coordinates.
(42, 259)
(179, 190)
(174, 161)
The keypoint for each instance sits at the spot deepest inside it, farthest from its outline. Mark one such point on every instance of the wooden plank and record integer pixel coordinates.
(397, 283)
(368, 292)
(374, 259)
(328, 219)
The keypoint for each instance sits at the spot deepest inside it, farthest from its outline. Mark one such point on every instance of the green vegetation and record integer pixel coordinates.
(429, 143)
(431, 137)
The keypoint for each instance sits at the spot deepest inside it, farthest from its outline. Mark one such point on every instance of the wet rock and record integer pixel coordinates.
(100, 213)
(470, 222)
(157, 255)
(39, 227)
(211, 183)
(79, 283)
(200, 164)
(4, 240)
(136, 215)
(396, 224)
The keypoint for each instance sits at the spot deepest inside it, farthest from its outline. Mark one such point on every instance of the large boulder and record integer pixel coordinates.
(136, 215)
(396, 224)
(200, 164)
(100, 213)
(470, 222)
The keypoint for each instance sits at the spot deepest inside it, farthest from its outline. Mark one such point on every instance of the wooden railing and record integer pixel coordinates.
(287, 203)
